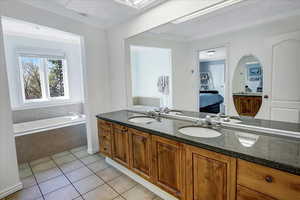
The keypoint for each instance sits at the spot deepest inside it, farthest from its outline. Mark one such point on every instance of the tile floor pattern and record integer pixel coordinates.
(76, 175)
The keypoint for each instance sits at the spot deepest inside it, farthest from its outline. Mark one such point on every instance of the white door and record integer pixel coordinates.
(284, 97)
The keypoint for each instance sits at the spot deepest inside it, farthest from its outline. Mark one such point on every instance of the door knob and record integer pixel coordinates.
(266, 96)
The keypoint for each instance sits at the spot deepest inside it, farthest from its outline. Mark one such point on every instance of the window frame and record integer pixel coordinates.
(44, 76)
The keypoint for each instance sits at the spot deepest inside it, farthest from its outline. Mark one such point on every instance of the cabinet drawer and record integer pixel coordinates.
(105, 146)
(274, 183)
(120, 127)
(244, 193)
(104, 123)
(106, 133)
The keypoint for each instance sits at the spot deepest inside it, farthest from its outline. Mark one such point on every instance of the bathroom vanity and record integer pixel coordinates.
(247, 104)
(237, 164)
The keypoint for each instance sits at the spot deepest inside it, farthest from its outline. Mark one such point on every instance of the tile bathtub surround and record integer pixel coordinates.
(53, 143)
(26, 115)
(67, 175)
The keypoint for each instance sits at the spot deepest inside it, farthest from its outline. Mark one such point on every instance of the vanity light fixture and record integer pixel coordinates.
(138, 4)
(207, 10)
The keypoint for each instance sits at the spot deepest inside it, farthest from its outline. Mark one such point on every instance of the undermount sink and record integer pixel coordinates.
(142, 119)
(197, 131)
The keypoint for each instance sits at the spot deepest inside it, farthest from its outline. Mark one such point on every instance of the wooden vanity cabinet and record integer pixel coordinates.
(120, 144)
(192, 173)
(140, 153)
(105, 131)
(244, 193)
(247, 105)
(209, 175)
(168, 160)
(270, 182)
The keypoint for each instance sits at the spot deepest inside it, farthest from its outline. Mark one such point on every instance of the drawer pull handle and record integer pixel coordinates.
(269, 179)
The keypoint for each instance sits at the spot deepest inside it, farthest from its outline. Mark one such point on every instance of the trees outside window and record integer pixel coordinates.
(56, 78)
(31, 78)
(43, 78)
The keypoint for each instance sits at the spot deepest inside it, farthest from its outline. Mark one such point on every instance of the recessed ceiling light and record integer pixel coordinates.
(207, 10)
(138, 4)
(82, 14)
(211, 53)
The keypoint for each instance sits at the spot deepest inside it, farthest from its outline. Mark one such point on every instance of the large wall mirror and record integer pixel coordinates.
(248, 86)
(243, 66)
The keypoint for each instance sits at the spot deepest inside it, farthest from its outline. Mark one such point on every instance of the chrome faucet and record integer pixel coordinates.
(152, 113)
(208, 121)
(162, 110)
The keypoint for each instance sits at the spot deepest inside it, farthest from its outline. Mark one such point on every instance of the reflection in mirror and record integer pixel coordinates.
(248, 86)
(201, 62)
(151, 76)
(247, 139)
(212, 80)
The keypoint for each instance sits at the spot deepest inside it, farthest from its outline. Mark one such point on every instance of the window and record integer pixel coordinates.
(43, 78)
(56, 77)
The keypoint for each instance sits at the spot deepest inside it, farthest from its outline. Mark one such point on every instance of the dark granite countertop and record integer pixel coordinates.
(278, 152)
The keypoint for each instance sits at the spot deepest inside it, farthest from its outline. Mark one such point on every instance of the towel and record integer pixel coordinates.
(163, 85)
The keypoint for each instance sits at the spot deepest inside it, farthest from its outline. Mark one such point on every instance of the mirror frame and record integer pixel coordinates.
(232, 83)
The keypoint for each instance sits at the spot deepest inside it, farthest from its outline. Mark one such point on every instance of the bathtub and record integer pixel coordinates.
(31, 127)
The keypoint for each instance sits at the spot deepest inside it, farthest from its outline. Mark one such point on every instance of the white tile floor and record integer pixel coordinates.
(77, 175)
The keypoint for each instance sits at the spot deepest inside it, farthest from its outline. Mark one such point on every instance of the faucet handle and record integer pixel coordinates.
(208, 118)
(199, 123)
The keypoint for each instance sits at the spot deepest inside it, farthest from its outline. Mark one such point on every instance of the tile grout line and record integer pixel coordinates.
(84, 165)
(105, 182)
(38, 185)
(58, 167)
(100, 177)
(67, 177)
(92, 173)
(63, 173)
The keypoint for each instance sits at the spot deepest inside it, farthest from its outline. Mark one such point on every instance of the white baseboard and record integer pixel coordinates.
(11, 190)
(91, 151)
(153, 188)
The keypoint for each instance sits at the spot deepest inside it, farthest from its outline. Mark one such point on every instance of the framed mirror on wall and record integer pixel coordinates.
(245, 84)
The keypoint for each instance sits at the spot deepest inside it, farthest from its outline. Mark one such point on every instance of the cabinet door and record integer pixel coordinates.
(246, 106)
(168, 169)
(209, 175)
(244, 193)
(256, 105)
(120, 145)
(104, 134)
(140, 153)
(236, 100)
